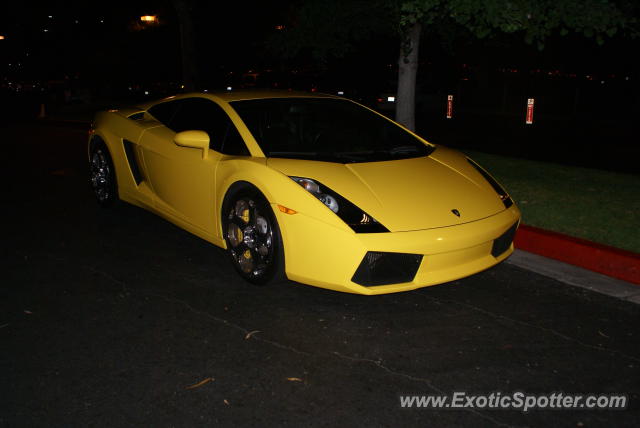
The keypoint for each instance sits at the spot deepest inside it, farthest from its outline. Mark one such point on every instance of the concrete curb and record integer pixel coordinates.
(576, 276)
(606, 260)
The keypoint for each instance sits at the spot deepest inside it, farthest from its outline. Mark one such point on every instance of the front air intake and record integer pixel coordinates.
(379, 268)
(504, 241)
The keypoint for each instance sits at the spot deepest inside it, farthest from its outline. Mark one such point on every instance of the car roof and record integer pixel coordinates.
(264, 94)
(240, 95)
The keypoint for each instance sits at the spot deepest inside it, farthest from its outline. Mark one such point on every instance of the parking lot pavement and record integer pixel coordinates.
(118, 318)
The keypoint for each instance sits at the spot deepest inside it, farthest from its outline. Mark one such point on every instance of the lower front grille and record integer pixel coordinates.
(378, 268)
(503, 242)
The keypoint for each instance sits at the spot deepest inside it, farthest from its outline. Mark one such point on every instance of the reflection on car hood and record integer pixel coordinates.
(407, 194)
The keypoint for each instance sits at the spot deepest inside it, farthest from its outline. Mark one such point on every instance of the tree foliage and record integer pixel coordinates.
(537, 20)
(333, 27)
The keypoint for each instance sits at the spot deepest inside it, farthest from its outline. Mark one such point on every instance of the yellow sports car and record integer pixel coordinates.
(314, 188)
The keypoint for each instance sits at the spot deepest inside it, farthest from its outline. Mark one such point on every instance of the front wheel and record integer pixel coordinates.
(253, 238)
(102, 174)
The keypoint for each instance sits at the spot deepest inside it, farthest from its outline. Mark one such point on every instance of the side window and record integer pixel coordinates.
(233, 143)
(205, 115)
(164, 112)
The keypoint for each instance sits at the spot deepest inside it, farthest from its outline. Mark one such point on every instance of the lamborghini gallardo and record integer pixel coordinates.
(314, 188)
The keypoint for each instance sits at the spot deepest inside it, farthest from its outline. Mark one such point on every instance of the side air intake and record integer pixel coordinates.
(132, 159)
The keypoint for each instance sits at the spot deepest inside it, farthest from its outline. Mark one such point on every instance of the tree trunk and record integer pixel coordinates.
(407, 71)
(187, 44)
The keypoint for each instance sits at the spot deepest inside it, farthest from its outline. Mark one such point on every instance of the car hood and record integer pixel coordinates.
(406, 194)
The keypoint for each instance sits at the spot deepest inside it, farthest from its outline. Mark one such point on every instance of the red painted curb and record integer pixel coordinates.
(600, 258)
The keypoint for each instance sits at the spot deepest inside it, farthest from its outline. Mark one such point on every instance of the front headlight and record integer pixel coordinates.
(355, 218)
(502, 194)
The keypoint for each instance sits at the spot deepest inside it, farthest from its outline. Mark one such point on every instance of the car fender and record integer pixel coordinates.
(277, 188)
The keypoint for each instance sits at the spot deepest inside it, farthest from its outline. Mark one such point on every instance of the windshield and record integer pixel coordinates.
(326, 129)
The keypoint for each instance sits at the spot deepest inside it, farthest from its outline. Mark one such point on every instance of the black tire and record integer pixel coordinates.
(252, 235)
(102, 174)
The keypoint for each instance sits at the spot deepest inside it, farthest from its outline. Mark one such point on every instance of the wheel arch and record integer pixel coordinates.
(276, 187)
(234, 189)
(93, 140)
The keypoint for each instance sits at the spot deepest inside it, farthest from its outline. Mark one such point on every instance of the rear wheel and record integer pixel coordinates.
(102, 174)
(253, 238)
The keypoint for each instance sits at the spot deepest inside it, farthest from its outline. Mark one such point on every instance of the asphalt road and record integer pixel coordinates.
(108, 317)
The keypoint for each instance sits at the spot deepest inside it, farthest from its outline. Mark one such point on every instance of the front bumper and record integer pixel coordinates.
(325, 256)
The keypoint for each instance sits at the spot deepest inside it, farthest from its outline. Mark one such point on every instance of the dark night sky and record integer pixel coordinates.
(228, 32)
(98, 42)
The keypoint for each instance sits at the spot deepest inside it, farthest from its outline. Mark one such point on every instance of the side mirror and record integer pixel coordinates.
(193, 139)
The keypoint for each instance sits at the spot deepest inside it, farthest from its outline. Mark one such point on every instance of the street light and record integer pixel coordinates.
(1, 37)
(149, 19)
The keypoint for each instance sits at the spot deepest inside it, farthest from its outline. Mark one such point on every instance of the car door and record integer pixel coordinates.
(184, 182)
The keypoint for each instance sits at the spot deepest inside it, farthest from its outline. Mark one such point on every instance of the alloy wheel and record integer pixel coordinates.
(101, 175)
(250, 237)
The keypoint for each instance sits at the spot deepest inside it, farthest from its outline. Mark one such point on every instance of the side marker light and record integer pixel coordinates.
(286, 210)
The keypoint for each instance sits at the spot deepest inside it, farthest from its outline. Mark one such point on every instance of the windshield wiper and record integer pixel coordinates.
(320, 156)
(403, 149)
(293, 153)
(352, 156)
